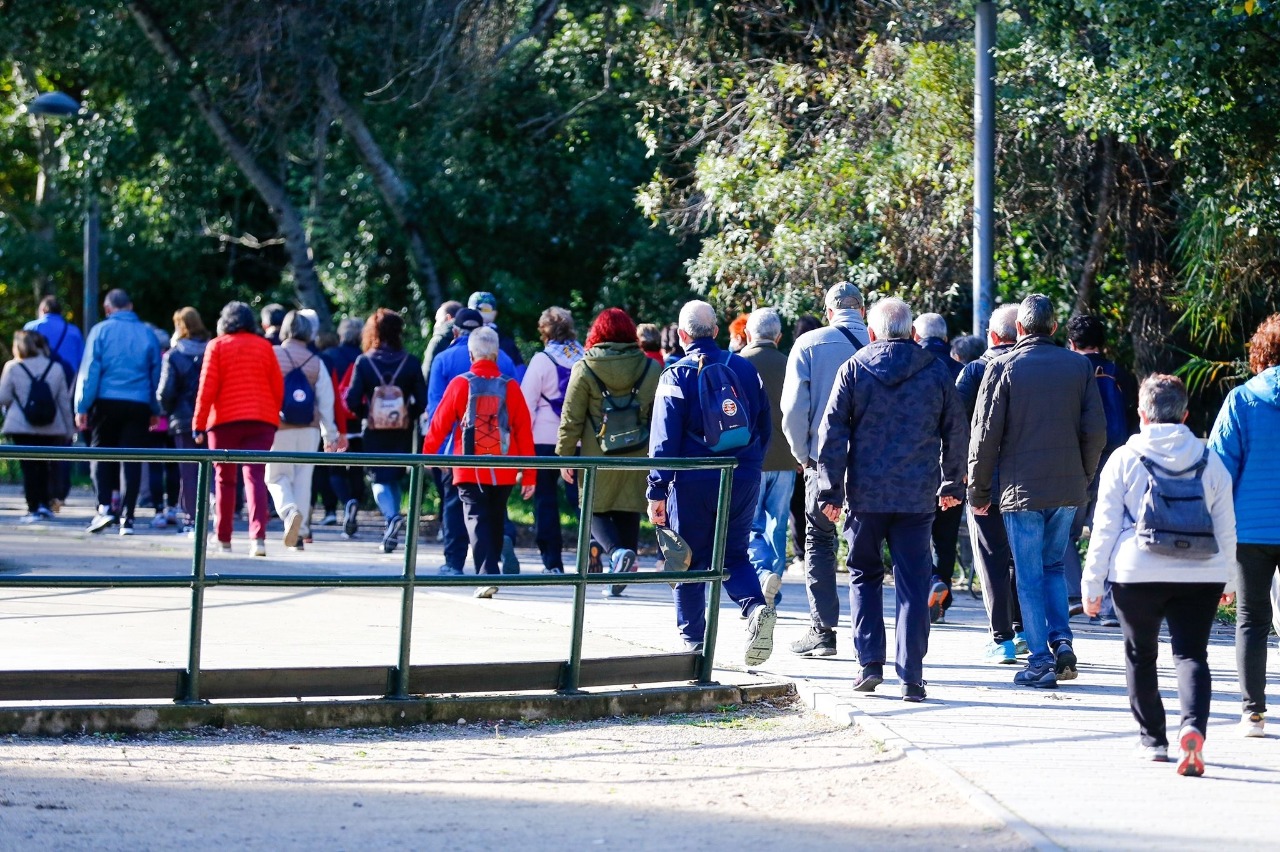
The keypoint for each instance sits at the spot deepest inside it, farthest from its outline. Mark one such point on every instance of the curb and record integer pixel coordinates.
(844, 712)
(378, 713)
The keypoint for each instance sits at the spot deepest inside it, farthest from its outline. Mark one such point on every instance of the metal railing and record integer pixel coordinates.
(400, 679)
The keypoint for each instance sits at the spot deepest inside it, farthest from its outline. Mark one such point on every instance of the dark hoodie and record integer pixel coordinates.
(894, 435)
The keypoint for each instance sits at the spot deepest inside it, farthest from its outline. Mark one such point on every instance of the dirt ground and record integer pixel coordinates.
(759, 776)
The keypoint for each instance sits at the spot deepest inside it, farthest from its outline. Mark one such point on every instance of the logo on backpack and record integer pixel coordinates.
(485, 429)
(1173, 518)
(621, 430)
(726, 421)
(387, 408)
(40, 409)
(298, 408)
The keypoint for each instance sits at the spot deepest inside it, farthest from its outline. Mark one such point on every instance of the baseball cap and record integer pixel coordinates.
(675, 550)
(844, 295)
(467, 319)
(485, 303)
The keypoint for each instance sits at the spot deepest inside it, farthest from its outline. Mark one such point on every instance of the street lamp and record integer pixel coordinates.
(58, 106)
(984, 166)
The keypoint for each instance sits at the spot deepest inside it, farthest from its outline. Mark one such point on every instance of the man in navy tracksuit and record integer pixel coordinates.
(686, 500)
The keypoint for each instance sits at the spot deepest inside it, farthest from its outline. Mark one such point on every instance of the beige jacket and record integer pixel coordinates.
(15, 387)
(294, 353)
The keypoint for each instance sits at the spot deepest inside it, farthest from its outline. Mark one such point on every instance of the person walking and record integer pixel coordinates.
(306, 415)
(388, 392)
(1039, 420)
(711, 404)
(347, 481)
(898, 406)
(812, 366)
(237, 408)
(487, 306)
(544, 387)
(116, 401)
(1244, 437)
(768, 545)
(484, 413)
(66, 346)
(179, 383)
(37, 400)
(613, 372)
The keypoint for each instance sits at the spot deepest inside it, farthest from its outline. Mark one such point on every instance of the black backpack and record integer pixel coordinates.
(40, 409)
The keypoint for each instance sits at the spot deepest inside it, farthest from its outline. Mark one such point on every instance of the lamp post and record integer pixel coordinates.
(58, 106)
(984, 166)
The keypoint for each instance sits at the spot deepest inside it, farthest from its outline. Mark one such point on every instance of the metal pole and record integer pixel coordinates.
(410, 570)
(573, 671)
(984, 166)
(191, 690)
(92, 224)
(723, 498)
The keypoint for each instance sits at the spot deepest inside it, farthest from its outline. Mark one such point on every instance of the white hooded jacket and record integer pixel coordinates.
(1113, 550)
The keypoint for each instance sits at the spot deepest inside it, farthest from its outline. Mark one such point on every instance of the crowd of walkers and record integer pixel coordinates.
(874, 416)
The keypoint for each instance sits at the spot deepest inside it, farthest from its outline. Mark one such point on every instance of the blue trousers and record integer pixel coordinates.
(691, 512)
(1038, 540)
(768, 546)
(908, 537)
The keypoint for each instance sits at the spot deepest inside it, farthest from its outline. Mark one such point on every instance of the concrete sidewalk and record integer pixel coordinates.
(1055, 766)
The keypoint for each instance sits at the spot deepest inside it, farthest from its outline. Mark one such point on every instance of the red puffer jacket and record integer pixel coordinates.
(240, 381)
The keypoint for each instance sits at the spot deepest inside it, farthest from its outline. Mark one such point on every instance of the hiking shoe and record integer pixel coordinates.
(938, 592)
(1158, 753)
(126, 526)
(816, 643)
(1020, 646)
(391, 534)
(914, 692)
(258, 547)
(1037, 678)
(769, 587)
(486, 592)
(760, 634)
(349, 521)
(1001, 653)
(1064, 665)
(330, 519)
(1252, 725)
(292, 526)
(868, 679)
(101, 521)
(1191, 763)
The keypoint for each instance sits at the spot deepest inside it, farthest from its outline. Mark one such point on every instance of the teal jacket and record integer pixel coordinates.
(1246, 436)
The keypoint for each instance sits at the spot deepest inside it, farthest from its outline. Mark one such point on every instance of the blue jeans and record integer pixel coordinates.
(768, 546)
(1038, 540)
(387, 495)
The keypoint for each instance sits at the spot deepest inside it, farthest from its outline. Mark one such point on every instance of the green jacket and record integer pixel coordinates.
(620, 366)
(772, 367)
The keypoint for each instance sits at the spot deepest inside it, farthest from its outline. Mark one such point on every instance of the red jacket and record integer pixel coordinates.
(240, 381)
(449, 416)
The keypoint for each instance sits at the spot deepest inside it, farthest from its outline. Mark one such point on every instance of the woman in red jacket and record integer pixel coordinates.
(237, 408)
(495, 422)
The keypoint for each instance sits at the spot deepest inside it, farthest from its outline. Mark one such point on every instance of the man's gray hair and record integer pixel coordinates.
(349, 331)
(890, 319)
(698, 319)
(1036, 315)
(1004, 323)
(118, 299)
(1163, 398)
(931, 325)
(482, 344)
(764, 324)
(297, 326)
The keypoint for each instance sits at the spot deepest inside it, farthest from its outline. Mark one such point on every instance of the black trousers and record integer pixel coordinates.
(616, 529)
(799, 520)
(546, 512)
(1189, 609)
(118, 423)
(484, 511)
(347, 481)
(993, 560)
(946, 544)
(1258, 563)
(37, 474)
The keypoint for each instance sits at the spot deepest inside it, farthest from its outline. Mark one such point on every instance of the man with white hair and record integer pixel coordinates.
(899, 407)
(711, 403)
(768, 547)
(815, 359)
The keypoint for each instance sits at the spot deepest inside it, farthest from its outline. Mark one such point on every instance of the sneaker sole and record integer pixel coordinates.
(761, 646)
(350, 523)
(868, 684)
(97, 528)
(815, 652)
(292, 527)
(1192, 762)
(770, 588)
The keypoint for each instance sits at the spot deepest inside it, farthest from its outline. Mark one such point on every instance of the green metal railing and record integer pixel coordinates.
(258, 683)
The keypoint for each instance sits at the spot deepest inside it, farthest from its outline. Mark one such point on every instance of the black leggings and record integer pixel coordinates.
(36, 473)
(616, 529)
(1258, 564)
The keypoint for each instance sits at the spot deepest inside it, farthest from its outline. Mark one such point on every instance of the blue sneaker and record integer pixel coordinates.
(1038, 678)
(1020, 645)
(1001, 653)
(622, 560)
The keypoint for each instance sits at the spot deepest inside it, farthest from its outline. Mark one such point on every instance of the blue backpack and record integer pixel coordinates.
(1113, 404)
(298, 408)
(726, 416)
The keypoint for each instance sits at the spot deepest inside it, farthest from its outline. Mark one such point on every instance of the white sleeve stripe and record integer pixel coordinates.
(671, 390)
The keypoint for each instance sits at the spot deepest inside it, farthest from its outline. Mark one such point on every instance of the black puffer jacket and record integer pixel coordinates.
(179, 381)
(1040, 419)
(894, 433)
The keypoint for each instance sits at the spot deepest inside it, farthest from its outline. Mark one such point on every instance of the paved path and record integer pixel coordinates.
(1056, 766)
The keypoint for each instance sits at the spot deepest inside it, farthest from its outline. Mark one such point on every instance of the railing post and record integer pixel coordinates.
(191, 684)
(573, 671)
(401, 690)
(723, 498)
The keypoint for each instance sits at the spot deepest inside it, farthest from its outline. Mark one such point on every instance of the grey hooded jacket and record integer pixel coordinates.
(812, 365)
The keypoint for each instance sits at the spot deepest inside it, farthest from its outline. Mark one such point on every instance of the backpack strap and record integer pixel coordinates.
(1198, 467)
(849, 336)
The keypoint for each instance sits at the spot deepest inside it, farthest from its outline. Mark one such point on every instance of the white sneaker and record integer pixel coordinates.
(257, 547)
(486, 591)
(1158, 753)
(1252, 724)
(30, 518)
(770, 586)
(292, 526)
(760, 634)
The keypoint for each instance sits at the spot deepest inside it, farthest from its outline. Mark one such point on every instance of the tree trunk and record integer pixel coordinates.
(394, 193)
(1149, 214)
(1097, 254)
(305, 280)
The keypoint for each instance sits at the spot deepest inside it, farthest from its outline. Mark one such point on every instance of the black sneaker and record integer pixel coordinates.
(1037, 678)
(349, 522)
(816, 643)
(871, 677)
(391, 534)
(914, 692)
(939, 594)
(1065, 662)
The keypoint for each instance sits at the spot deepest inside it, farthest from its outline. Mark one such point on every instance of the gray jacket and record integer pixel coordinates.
(815, 359)
(894, 433)
(771, 364)
(1039, 418)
